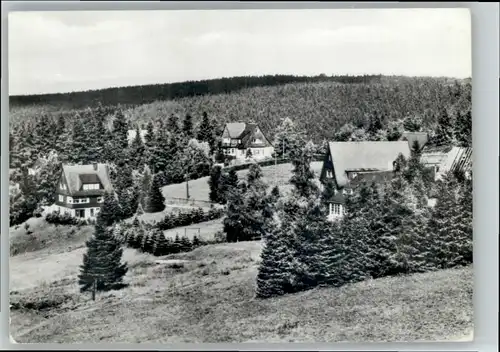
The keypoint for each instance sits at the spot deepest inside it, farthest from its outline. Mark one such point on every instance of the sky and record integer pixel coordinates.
(53, 52)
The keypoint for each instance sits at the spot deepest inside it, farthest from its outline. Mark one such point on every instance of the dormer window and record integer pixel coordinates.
(62, 186)
(329, 174)
(90, 186)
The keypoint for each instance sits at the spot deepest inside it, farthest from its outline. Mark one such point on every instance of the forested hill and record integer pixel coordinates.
(137, 95)
(318, 108)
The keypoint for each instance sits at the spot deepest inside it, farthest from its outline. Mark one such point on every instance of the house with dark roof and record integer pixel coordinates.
(245, 141)
(81, 189)
(348, 164)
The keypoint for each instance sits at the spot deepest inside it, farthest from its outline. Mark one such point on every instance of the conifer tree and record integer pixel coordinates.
(275, 274)
(120, 131)
(102, 263)
(444, 130)
(233, 222)
(228, 182)
(148, 241)
(110, 212)
(412, 123)
(206, 131)
(375, 124)
(137, 150)
(187, 126)
(254, 204)
(303, 177)
(214, 184)
(79, 144)
(463, 129)
(156, 200)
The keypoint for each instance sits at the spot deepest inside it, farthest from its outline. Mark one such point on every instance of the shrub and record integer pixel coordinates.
(57, 218)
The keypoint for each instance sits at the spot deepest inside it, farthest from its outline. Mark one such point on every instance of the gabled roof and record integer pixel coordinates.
(77, 175)
(245, 132)
(236, 129)
(373, 156)
(421, 137)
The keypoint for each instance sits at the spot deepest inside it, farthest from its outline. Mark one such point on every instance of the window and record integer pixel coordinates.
(329, 174)
(90, 186)
(62, 186)
(82, 200)
(100, 199)
(70, 200)
(335, 209)
(92, 212)
(80, 213)
(61, 198)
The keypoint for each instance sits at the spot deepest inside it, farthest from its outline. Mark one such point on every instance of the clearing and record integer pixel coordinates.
(207, 295)
(272, 175)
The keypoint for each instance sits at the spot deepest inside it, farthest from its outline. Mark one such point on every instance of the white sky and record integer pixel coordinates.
(72, 51)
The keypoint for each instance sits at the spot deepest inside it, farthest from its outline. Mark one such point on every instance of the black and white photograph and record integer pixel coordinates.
(240, 176)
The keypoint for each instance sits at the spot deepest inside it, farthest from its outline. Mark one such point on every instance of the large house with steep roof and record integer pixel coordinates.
(347, 164)
(81, 189)
(245, 141)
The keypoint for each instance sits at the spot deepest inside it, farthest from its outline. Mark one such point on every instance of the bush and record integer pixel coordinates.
(186, 218)
(57, 218)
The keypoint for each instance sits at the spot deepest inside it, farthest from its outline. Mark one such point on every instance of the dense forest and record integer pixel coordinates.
(137, 95)
(319, 109)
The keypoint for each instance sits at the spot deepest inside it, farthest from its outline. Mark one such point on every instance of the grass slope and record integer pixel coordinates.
(210, 299)
(272, 175)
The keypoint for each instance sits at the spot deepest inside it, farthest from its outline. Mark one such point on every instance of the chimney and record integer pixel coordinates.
(94, 165)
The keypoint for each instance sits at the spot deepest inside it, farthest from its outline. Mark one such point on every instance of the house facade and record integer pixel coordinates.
(348, 164)
(446, 159)
(245, 141)
(81, 189)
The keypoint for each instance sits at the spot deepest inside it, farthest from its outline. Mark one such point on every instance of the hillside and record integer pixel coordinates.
(208, 297)
(319, 108)
(273, 175)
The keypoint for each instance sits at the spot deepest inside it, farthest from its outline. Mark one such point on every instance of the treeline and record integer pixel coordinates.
(388, 229)
(138, 95)
(321, 109)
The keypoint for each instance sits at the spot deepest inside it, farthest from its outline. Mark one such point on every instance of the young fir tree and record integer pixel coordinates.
(463, 129)
(137, 151)
(303, 177)
(444, 131)
(275, 275)
(186, 244)
(187, 127)
(156, 200)
(120, 131)
(444, 232)
(102, 267)
(206, 131)
(254, 204)
(233, 222)
(79, 144)
(110, 210)
(159, 243)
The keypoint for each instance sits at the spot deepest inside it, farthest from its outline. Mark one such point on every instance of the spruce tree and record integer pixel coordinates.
(187, 126)
(120, 131)
(463, 129)
(110, 212)
(156, 200)
(254, 204)
(137, 150)
(228, 182)
(444, 131)
(206, 131)
(79, 144)
(102, 263)
(275, 275)
(233, 222)
(303, 177)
